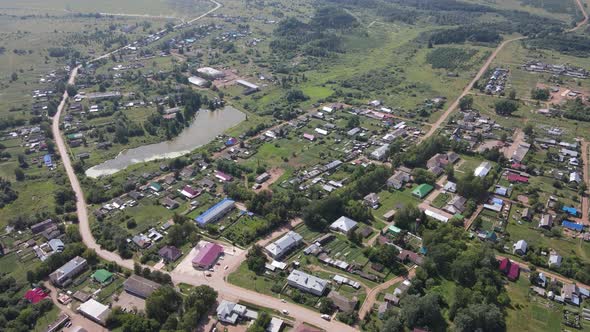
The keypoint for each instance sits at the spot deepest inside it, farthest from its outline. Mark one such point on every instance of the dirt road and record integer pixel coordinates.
(582, 22)
(372, 294)
(75, 318)
(468, 88)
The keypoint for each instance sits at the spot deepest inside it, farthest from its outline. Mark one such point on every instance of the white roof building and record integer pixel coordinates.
(483, 169)
(520, 247)
(281, 246)
(274, 325)
(555, 259)
(95, 311)
(343, 225)
(307, 282)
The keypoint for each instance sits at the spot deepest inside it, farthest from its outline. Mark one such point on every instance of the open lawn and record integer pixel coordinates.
(531, 313)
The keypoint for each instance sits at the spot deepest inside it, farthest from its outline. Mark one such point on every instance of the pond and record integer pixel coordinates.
(205, 127)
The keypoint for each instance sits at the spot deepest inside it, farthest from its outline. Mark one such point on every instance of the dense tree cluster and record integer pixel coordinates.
(505, 107)
(7, 193)
(479, 297)
(318, 38)
(540, 94)
(465, 34)
(16, 313)
(167, 310)
(576, 110)
(449, 57)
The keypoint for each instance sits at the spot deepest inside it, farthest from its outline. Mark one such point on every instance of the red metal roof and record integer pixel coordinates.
(514, 271)
(504, 265)
(517, 178)
(35, 295)
(207, 254)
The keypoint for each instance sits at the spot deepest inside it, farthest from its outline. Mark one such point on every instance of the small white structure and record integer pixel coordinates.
(520, 248)
(483, 169)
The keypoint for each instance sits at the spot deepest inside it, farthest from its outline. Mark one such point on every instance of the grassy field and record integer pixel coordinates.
(179, 8)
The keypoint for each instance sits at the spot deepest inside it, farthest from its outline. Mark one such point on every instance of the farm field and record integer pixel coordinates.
(170, 8)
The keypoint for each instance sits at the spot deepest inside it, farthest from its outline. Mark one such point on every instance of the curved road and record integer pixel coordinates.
(225, 290)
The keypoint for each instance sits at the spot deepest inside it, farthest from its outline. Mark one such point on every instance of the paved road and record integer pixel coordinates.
(372, 294)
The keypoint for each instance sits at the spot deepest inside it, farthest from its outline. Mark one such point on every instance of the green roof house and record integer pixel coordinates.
(155, 186)
(102, 276)
(394, 230)
(422, 190)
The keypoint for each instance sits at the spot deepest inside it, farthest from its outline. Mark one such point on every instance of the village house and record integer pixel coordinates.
(63, 276)
(398, 179)
(371, 200)
(169, 253)
(230, 312)
(520, 248)
(343, 225)
(546, 221)
(307, 283)
(282, 246)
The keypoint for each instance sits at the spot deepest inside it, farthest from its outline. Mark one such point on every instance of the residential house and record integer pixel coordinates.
(398, 179)
(483, 169)
(450, 187)
(189, 192)
(169, 203)
(343, 225)
(307, 283)
(187, 172)
(169, 253)
(230, 312)
(371, 200)
(102, 276)
(456, 205)
(380, 153)
(63, 276)
(520, 247)
(422, 190)
(155, 186)
(283, 245)
(555, 259)
(223, 177)
(546, 221)
(569, 293)
(141, 241)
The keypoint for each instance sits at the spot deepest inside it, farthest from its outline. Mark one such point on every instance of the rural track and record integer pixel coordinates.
(224, 289)
(372, 294)
(485, 67)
